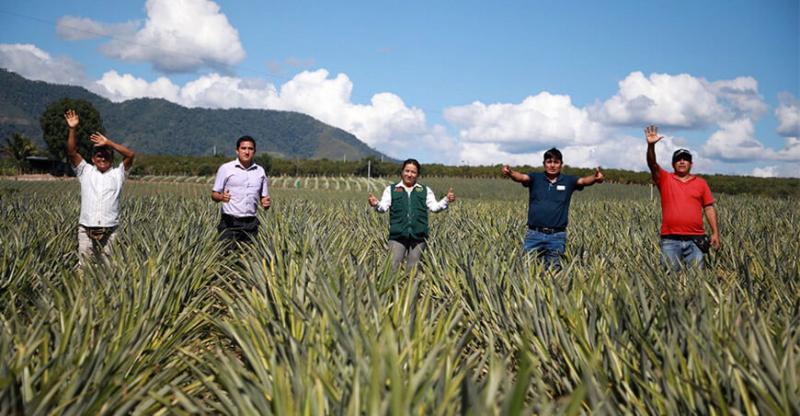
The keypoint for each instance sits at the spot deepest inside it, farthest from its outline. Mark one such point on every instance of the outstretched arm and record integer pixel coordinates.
(72, 143)
(711, 217)
(596, 177)
(127, 154)
(514, 175)
(651, 134)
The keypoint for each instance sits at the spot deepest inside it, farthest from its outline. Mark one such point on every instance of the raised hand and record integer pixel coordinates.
(451, 196)
(98, 139)
(506, 171)
(372, 200)
(72, 118)
(598, 175)
(266, 202)
(226, 196)
(651, 133)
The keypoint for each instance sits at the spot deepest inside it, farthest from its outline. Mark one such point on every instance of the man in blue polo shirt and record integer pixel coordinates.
(548, 205)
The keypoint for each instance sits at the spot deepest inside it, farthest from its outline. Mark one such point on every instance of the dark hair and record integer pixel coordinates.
(413, 162)
(106, 150)
(245, 139)
(553, 153)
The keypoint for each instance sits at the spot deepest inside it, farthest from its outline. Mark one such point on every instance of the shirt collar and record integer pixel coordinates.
(237, 164)
(399, 184)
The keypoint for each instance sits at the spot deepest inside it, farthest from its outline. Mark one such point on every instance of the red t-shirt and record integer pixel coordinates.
(682, 204)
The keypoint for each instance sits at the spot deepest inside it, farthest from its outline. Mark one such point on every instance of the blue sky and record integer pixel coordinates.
(453, 82)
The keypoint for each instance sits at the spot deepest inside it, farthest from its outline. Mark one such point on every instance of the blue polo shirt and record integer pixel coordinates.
(548, 202)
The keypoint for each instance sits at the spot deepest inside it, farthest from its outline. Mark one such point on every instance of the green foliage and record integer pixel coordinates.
(55, 129)
(310, 319)
(207, 166)
(18, 148)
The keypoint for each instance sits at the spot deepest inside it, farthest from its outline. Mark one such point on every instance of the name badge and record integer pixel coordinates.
(561, 188)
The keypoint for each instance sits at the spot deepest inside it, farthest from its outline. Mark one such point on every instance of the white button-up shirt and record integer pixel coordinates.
(247, 186)
(99, 194)
(430, 200)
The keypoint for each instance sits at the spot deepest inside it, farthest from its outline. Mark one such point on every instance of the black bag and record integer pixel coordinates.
(703, 242)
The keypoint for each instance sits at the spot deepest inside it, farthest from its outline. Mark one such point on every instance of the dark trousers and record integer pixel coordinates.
(240, 229)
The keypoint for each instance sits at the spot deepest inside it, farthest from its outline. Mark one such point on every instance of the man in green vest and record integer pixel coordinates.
(408, 203)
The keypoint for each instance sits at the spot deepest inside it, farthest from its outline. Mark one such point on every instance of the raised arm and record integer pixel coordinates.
(72, 142)
(596, 177)
(651, 134)
(127, 154)
(514, 175)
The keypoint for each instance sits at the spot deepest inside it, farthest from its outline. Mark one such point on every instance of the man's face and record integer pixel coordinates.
(245, 152)
(410, 174)
(682, 166)
(552, 166)
(101, 161)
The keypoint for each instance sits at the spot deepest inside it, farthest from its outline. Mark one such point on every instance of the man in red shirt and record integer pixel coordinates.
(684, 200)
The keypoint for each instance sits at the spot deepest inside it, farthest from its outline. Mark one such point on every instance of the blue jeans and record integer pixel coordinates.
(676, 254)
(547, 247)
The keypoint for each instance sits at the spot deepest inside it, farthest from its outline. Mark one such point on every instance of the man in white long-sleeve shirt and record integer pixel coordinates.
(101, 186)
(408, 203)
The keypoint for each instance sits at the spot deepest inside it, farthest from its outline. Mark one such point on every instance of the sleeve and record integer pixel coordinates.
(573, 181)
(121, 173)
(264, 185)
(708, 199)
(433, 204)
(386, 200)
(79, 169)
(529, 184)
(219, 181)
(663, 175)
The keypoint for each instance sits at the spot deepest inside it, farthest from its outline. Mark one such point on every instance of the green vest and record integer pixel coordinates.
(408, 215)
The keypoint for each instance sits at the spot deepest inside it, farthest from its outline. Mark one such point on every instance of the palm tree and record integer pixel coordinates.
(19, 147)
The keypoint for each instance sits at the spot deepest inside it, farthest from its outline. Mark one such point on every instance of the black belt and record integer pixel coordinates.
(548, 230)
(681, 237)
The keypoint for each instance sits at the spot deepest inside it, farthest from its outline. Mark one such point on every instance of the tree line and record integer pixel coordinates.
(18, 148)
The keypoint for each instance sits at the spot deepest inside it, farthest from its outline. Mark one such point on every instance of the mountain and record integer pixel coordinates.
(156, 126)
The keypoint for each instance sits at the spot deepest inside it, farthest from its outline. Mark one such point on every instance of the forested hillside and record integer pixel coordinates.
(156, 126)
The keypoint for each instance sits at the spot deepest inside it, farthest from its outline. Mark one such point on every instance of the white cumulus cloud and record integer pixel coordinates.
(788, 115)
(386, 123)
(36, 64)
(540, 120)
(680, 101)
(177, 36)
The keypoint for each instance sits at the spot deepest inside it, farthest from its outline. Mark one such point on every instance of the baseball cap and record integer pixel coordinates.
(681, 154)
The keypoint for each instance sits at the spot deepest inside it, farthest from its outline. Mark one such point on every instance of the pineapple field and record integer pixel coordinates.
(311, 319)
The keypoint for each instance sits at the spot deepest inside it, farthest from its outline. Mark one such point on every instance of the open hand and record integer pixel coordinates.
(651, 133)
(72, 118)
(98, 139)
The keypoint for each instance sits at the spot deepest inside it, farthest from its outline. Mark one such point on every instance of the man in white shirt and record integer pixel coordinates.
(100, 188)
